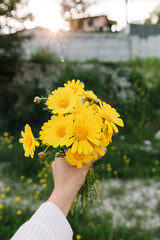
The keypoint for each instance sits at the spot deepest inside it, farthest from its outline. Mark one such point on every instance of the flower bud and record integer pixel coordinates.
(90, 169)
(45, 104)
(37, 100)
(96, 100)
(42, 155)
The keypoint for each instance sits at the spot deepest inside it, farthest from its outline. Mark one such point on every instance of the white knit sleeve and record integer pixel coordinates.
(48, 223)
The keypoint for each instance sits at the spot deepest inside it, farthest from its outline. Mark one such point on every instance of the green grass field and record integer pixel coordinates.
(129, 168)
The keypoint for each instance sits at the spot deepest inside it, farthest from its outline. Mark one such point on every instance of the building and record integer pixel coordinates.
(91, 24)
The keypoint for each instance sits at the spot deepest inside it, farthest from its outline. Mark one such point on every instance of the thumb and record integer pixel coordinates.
(100, 155)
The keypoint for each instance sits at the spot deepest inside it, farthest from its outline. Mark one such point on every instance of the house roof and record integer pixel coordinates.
(111, 22)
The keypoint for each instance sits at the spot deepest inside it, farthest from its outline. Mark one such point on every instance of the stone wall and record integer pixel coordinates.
(100, 46)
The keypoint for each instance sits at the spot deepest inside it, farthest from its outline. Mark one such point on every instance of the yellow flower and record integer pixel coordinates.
(44, 185)
(1, 218)
(153, 169)
(18, 199)
(5, 134)
(89, 95)
(77, 159)
(55, 132)
(127, 161)
(80, 106)
(43, 180)
(22, 177)
(106, 138)
(109, 169)
(11, 138)
(111, 117)
(97, 181)
(78, 237)
(10, 146)
(37, 192)
(8, 189)
(96, 150)
(19, 212)
(84, 130)
(62, 100)
(29, 180)
(35, 196)
(156, 162)
(77, 87)
(2, 195)
(1, 206)
(28, 141)
(113, 148)
(115, 172)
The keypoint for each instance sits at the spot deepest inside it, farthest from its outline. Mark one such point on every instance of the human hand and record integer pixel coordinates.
(68, 180)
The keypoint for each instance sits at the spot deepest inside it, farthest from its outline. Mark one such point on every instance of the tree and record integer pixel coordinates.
(74, 8)
(13, 14)
(154, 18)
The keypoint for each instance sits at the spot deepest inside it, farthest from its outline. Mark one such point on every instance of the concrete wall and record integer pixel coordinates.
(100, 46)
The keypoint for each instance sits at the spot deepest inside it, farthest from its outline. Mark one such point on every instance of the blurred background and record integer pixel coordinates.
(113, 46)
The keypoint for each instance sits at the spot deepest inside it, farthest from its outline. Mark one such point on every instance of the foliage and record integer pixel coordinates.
(127, 157)
(154, 18)
(43, 56)
(74, 8)
(13, 13)
(10, 54)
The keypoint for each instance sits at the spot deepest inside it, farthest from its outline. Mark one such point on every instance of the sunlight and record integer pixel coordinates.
(47, 15)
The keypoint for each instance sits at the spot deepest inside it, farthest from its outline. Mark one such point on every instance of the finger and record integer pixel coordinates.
(87, 166)
(53, 163)
(99, 155)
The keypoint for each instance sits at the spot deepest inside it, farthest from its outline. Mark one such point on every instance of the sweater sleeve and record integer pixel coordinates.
(48, 223)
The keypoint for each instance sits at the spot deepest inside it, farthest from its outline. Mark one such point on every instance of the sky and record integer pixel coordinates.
(48, 11)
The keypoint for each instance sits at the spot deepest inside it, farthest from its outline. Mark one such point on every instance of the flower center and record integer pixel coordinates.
(29, 141)
(108, 117)
(63, 103)
(60, 131)
(80, 133)
(78, 156)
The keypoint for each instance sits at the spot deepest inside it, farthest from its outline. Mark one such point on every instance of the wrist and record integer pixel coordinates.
(63, 198)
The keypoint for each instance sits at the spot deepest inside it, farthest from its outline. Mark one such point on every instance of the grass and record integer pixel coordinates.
(128, 159)
(31, 181)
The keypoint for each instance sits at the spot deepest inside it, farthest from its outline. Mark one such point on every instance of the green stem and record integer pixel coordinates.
(97, 193)
(37, 139)
(72, 209)
(44, 98)
(46, 149)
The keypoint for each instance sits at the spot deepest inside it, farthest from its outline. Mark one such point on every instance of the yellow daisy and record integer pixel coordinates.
(76, 159)
(111, 117)
(62, 100)
(43, 136)
(96, 150)
(106, 137)
(55, 131)
(85, 129)
(76, 86)
(89, 95)
(28, 141)
(80, 106)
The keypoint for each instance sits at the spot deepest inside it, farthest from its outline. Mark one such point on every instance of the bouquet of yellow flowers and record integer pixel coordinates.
(80, 124)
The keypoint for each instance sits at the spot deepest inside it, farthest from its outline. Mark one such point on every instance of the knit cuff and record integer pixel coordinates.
(52, 218)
